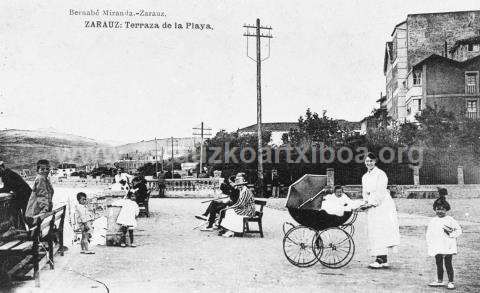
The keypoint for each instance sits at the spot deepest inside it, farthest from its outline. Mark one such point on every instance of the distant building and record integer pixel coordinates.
(65, 170)
(276, 128)
(438, 81)
(418, 37)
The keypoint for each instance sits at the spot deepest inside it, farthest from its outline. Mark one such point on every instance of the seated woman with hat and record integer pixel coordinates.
(244, 207)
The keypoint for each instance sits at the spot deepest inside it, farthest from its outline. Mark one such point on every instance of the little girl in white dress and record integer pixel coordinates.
(442, 232)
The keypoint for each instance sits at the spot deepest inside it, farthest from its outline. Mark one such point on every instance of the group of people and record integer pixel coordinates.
(136, 192)
(383, 229)
(227, 213)
(28, 202)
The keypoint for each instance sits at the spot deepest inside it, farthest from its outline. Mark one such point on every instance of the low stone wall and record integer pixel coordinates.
(423, 191)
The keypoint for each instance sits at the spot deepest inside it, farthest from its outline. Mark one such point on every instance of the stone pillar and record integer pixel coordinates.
(416, 175)
(330, 177)
(460, 175)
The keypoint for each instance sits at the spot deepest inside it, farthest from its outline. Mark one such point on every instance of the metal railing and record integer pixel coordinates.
(471, 115)
(470, 89)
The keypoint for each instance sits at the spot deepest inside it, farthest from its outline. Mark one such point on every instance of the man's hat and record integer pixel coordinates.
(240, 179)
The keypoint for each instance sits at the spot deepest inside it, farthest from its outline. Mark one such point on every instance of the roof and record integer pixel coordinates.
(271, 126)
(445, 12)
(435, 57)
(466, 41)
(395, 28)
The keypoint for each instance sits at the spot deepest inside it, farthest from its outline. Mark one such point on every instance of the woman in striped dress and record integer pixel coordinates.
(244, 207)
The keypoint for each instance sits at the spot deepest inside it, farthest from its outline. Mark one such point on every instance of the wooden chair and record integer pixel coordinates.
(143, 206)
(257, 218)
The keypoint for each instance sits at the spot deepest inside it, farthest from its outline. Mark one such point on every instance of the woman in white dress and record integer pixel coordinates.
(244, 207)
(382, 220)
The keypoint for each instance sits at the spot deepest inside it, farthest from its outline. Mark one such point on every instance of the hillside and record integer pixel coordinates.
(20, 149)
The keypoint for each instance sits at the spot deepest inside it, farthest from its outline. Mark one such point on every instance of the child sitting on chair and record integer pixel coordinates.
(84, 219)
(338, 203)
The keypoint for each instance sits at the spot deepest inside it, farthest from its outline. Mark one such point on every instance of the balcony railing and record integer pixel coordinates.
(470, 89)
(472, 115)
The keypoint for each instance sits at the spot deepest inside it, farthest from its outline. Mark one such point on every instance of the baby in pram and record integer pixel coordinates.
(337, 203)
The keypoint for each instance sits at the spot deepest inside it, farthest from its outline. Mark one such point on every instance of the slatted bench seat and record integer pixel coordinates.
(257, 218)
(47, 227)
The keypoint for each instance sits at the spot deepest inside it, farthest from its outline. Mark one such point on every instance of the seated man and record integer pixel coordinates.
(338, 203)
(217, 205)
(139, 189)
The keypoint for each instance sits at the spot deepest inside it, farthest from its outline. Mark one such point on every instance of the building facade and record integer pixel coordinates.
(446, 34)
(441, 82)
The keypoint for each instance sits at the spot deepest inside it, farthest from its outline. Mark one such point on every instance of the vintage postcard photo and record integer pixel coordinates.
(239, 146)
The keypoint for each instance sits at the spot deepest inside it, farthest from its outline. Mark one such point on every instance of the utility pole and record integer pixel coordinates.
(258, 35)
(156, 158)
(202, 134)
(172, 154)
(162, 159)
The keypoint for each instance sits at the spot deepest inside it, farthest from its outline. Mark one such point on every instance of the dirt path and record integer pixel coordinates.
(173, 257)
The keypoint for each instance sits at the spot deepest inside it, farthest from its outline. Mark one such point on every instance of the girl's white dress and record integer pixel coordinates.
(382, 219)
(439, 242)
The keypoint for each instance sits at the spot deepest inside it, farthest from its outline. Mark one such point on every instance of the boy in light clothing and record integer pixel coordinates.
(84, 219)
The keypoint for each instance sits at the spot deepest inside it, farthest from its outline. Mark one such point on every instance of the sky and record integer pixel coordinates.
(133, 84)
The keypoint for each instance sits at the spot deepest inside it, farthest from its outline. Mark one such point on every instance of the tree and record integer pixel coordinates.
(408, 134)
(438, 128)
(314, 129)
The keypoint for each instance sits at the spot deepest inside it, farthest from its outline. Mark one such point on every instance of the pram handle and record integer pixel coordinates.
(312, 198)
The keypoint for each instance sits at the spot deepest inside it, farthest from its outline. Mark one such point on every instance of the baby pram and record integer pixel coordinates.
(320, 237)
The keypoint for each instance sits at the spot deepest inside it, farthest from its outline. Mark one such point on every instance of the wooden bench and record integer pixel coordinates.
(47, 227)
(257, 218)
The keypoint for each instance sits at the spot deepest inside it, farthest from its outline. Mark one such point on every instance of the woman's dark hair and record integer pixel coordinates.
(337, 187)
(441, 202)
(122, 182)
(442, 192)
(372, 156)
(42, 162)
(80, 195)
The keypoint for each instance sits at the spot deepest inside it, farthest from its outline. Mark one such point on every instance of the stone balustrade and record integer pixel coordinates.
(186, 187)
(79, 180)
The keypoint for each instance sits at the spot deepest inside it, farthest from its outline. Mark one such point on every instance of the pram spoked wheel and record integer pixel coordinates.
(337, 247)
(299, 246)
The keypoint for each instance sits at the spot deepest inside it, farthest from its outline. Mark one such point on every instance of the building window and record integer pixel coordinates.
(471, 80)
(417, 78)
(473, 47)
(417, 105)
(472, 108)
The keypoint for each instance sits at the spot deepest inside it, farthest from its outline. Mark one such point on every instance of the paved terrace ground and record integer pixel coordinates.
(172, 257)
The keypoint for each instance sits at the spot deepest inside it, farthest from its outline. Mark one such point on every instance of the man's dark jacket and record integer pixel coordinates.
(12, 182)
